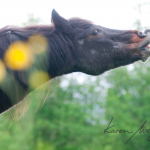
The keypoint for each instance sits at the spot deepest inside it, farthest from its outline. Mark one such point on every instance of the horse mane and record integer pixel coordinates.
(9, 34)
(59, 44)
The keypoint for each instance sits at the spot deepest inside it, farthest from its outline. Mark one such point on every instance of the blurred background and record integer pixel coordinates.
(79, 107)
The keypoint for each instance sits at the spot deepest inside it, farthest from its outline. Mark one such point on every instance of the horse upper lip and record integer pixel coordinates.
(145, 44)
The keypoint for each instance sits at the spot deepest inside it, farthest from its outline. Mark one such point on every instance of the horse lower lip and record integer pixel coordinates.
(145, 48)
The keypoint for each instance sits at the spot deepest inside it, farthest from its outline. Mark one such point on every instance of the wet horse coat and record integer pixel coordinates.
(74, 45)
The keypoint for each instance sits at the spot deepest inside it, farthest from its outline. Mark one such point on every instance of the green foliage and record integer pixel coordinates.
(128, 104)
(63, 123)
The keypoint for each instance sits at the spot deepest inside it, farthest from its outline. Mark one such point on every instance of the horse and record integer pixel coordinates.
(73, 45)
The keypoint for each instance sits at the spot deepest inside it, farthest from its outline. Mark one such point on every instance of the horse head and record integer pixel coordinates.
(98, 49)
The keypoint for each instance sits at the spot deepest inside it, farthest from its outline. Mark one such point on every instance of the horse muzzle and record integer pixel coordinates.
(144, 46)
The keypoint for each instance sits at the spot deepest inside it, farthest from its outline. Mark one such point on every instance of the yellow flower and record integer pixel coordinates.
(38, 43)
(18, 56)
(2, 71)
(37, 78)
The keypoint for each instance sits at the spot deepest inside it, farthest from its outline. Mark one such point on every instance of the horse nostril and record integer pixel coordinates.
(141, 34)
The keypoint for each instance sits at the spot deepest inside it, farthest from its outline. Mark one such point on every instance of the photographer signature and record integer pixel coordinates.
(140, 130)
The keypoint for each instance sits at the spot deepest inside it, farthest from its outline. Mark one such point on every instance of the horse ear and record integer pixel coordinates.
(60, 23)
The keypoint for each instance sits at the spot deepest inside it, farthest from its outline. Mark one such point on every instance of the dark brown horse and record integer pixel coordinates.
(73, 45)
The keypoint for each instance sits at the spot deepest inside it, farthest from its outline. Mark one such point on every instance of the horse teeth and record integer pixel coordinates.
(148, 46)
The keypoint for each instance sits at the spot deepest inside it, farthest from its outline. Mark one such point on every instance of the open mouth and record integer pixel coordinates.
(144, 48)
(145, 45)
(148, 46)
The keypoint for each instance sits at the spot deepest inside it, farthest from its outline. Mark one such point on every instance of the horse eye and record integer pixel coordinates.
(95, 32)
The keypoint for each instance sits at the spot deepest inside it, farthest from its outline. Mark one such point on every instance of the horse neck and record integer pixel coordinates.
(60, 60)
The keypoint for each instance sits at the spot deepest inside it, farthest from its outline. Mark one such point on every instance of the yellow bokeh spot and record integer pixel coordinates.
(2, 71)
(18, 56)
(38, 43)
(37, 78)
